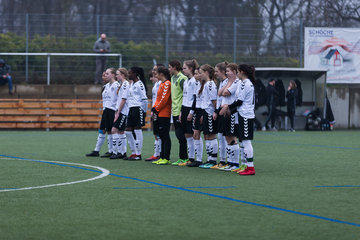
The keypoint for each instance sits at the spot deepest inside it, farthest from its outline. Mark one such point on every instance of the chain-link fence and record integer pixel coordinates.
(141, 40)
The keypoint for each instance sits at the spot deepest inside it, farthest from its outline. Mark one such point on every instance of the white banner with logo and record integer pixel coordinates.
(334, 49)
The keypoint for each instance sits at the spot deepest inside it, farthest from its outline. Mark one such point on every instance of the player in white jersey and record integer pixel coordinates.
(188, 107)
(157, 142)
(230, 130)
(122, 110)
(220, 73)
(244, 106)
(208, 91)
(109, 96)
(137, 102)
(197, 121)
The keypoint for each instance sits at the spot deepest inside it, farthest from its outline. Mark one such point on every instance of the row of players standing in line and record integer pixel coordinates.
(124, 107)
(197, 106)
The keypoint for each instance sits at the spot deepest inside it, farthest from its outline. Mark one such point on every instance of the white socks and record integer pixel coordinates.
(157, 147)
(138, 141)
(110, 143)
(100, 141)
(233, 152)
(222, 147)
(122, 143)
(211, 149)
(249, 152)
(199, 148)
(131, 141)
(242, 154)
(214, 149)
(115, 143)
(190, 146)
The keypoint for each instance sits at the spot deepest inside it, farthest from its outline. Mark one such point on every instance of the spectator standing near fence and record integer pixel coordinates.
(101, 46)
(271, 102)
(291, 95)
(5, 77)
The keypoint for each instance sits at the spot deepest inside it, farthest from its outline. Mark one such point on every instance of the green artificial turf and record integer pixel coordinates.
(140, 200)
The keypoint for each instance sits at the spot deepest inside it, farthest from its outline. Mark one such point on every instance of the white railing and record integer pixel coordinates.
(63, 54)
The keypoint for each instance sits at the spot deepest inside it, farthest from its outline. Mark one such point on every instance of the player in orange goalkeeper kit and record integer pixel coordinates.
(161, 112)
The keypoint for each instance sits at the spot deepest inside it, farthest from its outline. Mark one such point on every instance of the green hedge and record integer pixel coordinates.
(81, 70)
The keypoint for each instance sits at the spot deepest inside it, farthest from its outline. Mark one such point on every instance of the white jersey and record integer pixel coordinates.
(189, 89)
(232, 89)
(123, 94)
(231, 98)
(209, 94)
(199, 97)
(109, 95)
(219, 98)
(154, 92)
(137, 94)
(245, 93)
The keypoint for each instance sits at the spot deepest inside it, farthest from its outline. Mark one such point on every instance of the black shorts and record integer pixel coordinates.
(220, 123)
(136, 118)
(196, 125)
(230, 126)
(156, 127)
(210, 125)
(246, 128)
(107, 119)
(121, 122)
(185, 124)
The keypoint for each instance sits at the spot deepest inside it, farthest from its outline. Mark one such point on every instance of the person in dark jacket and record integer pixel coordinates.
(101, 46)
(5, 77)
(271, 102)
(291, 96)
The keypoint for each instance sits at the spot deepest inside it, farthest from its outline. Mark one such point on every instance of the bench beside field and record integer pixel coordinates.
(53, 114)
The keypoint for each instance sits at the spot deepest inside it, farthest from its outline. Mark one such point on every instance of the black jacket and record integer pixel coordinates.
(272, 96)
(4, 69)
(291, 98)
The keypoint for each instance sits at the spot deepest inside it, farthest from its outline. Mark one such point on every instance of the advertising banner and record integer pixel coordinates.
(334, 49)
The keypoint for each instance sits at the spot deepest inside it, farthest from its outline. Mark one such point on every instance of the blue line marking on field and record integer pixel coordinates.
(211, 195)
(240, 201)
(168, 187)
(338, 186)
(58, 164)
(308, 145)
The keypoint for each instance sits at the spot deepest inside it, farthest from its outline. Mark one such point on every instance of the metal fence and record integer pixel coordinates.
(141, 40)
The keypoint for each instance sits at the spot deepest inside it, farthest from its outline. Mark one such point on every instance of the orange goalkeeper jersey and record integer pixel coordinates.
(163, 100)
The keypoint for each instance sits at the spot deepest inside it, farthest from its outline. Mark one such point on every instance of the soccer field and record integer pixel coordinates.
(307, 186)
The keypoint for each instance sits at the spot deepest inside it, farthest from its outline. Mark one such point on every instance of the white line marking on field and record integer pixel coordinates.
(104, 173)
